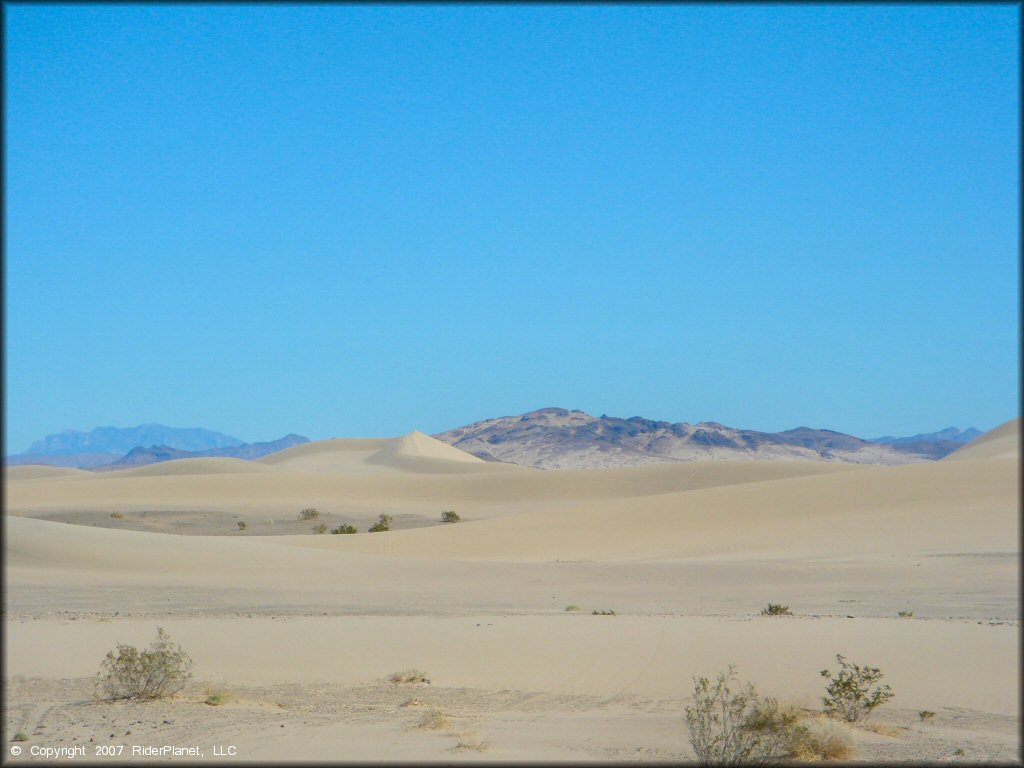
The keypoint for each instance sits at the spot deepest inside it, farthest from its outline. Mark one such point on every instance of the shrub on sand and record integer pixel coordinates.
(450, 516)
(241, 525)
(854, 692)
(734, 725)
(410, 676)
(344, 528)
(433, 720)
(774, 609)
(159, 671)
(309, 513)
(320, 528)
(383, 524)
(572, 608)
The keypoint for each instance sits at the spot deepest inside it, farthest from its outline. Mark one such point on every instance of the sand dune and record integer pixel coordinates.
(34, 471)
(1001, 442)
(685, 553)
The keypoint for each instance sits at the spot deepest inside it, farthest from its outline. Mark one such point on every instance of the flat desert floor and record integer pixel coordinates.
(300, 632)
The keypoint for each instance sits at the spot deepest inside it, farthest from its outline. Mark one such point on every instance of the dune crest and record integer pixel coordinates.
(1003, 442)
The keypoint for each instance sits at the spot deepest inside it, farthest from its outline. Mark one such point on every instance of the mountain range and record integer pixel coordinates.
(548, 438)
(556, 438)
(106, 448)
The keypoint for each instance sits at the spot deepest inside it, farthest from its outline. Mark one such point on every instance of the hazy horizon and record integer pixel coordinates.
(346, 221)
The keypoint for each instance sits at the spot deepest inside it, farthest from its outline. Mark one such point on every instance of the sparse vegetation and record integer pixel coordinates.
(117, 515)
(344, 529)
(958, 752)
(602, 613)
(241, 525)
(320, 528)
(433, 720)
(819, 740)
(572, 608)
(20, 736)
(383, 524)
(410, 676)
(469, 742)
(157, 672)
(774, 609)
(905, 614)
(309, 513)
(854, 691)
(450, 516)
(925, 714)
(732, 727)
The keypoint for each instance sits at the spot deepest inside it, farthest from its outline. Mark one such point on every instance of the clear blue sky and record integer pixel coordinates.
(360, 220)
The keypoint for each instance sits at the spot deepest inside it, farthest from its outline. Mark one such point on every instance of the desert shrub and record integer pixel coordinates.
(854, 691)
(117, 515)
(774, 609)
(344, 529)
(572, 608)
(602, 613)
(817, 740)
(433, 719)
(409, 676)
(925, 714)
(383, 524)
(450, 516)
(241, 525)
(320, 528)
(731, 727)
(160, 670)
(309, 513)
(20, 736)
(905, 614)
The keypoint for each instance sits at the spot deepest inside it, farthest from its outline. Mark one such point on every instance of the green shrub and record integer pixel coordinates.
(774, 609)
(309, 513)
(905, 614)
(925, 714)
(450, 516)
(734, 727)
(572, 607)
(320, 528)
(344, 529)
(20, 736)
(383, 524)
(159, 671)
(854, 691)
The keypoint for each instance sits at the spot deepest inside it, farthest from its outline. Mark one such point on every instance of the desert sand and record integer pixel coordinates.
(301, 631)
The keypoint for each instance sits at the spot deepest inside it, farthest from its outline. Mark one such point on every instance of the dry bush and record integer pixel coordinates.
(159, 671)
(820, 739)
(433, 720)
(469, 742)
(241, 525)
(730, 726)
(410, 676)
(215, 695)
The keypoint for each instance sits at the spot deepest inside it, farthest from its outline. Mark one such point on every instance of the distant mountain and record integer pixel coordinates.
(949, 434)
(120, 441)
(140, 456)
(559, 438)
(78, 460)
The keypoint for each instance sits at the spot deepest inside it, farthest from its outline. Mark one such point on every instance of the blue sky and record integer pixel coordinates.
(362, 220)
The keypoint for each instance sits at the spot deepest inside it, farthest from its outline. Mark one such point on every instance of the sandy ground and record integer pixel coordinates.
(301, 632)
